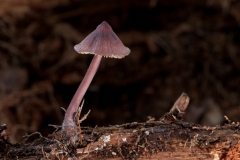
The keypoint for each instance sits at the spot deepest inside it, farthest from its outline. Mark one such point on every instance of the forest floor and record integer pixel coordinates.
(176, 46)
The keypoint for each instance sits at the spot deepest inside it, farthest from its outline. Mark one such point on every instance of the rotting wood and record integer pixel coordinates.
(169, 138)
(151, 140)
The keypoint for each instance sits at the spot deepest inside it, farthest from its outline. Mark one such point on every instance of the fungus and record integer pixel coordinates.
(102, 42)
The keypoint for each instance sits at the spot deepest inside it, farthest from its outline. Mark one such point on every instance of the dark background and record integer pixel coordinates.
(176, 46)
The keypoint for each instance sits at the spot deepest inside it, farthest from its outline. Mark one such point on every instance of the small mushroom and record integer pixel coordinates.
(102, 42)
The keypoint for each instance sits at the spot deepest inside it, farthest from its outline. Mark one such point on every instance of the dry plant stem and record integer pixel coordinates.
(74, 104)
(181, 104)
(79, 121)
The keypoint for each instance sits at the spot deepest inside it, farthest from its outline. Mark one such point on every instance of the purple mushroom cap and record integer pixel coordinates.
(103, 41)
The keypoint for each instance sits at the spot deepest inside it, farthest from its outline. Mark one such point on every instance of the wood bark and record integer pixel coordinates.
(150, 140)
(168, 138)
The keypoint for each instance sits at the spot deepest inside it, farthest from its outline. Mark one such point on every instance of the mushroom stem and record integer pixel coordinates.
(78, 96)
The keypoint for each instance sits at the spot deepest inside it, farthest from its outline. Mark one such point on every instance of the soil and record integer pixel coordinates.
(176, 46)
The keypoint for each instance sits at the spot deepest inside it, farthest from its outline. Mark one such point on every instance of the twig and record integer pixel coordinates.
(55, 126)
(227, 119)
(181, 103)
(78, 121)
(63, 109)
(38, 133)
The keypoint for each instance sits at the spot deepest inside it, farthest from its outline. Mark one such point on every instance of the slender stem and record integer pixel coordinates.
(78, 96)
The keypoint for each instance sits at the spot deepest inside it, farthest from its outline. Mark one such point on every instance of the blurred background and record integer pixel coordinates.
(176, 46)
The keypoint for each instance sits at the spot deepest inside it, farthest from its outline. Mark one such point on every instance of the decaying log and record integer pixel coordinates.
(150, 140)
(169, 138)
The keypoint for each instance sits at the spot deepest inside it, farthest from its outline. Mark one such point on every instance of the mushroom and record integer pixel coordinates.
(102, 42)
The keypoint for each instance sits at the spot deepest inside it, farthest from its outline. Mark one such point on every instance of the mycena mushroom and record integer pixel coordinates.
(102, 42)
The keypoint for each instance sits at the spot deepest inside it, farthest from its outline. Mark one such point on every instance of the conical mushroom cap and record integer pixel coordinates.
(103, 41)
